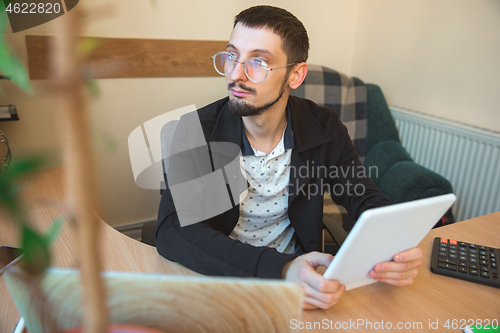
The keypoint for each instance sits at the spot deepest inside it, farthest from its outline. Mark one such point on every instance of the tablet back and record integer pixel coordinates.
(381, 233)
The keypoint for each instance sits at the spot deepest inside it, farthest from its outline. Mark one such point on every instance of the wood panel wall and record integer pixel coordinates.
(132, 58)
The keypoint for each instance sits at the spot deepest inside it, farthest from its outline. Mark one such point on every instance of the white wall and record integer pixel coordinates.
(124, 104)
(438, 57)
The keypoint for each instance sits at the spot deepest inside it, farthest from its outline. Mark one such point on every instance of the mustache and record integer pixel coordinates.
(241, 87)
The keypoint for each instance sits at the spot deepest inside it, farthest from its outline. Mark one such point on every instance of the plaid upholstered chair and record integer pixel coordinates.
(364, 111)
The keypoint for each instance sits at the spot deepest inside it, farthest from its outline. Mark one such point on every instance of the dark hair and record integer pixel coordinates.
(293, 34)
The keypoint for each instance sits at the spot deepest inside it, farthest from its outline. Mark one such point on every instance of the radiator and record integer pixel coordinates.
(468, 157)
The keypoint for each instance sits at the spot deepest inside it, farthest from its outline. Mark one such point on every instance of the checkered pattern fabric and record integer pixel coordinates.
(346, 95)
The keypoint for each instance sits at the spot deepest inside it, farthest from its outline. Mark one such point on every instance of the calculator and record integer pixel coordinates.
(466, 261)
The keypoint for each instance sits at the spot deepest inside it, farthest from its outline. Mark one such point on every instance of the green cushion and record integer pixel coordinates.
(381, 125)
(406, 181)
(382, 157)
(388, 164)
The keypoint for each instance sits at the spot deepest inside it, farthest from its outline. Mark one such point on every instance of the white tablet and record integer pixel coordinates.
(380, 234)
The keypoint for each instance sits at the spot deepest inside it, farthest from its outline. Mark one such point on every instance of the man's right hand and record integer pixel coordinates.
(318, 291)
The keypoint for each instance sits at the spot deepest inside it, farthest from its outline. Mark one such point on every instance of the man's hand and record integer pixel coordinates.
(318, 291)
(401, 271)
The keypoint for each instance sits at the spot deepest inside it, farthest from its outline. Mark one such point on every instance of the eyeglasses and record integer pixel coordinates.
(256, 69)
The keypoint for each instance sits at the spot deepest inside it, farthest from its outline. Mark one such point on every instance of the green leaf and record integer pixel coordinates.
(9, 63)
(25, 165)
(36, 251)
(87, 45)
(106, 139)
(93, 88)
(54, 229)
(9, 183)
(8, 191)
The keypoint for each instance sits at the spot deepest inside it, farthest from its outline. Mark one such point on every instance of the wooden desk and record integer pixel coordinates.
(120, 253)
(431, 298)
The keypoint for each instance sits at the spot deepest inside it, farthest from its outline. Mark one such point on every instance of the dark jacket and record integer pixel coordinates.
(323, 158)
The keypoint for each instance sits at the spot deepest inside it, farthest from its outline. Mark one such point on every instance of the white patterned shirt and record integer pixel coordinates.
(263, 217)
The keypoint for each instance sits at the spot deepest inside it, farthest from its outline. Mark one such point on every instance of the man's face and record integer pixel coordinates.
(248, 98)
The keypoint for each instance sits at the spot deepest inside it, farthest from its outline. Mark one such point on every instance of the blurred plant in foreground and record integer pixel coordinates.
(35, 246)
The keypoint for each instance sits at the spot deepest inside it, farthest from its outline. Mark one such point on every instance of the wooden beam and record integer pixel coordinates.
(132, 58)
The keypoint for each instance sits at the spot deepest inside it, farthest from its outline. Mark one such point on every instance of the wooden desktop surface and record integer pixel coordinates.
(431, 298)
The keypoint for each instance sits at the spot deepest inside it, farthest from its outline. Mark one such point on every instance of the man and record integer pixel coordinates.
(275, 231)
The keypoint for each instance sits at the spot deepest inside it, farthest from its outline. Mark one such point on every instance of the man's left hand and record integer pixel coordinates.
(401, 271)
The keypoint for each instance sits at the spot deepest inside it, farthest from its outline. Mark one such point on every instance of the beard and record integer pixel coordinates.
(241, 108)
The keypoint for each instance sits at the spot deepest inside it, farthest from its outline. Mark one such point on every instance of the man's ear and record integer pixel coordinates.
(297, 75)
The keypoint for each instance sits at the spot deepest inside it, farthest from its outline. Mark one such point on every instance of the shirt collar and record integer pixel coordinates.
(246, 149)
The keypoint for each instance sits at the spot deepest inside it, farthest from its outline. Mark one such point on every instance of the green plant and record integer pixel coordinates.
(10, 65)
(36, 246)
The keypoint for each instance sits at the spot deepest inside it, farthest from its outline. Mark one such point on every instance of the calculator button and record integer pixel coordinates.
(461, 248)
(485, 275)
(444, 240)
(492, 255)
(472, 246)
(462, 243)
(482, 253)
(462, 264)
(462, 253)
(447, 261)
(493, 265)
(473, 251)
(442, 254)
(493, 260)
(453, 242)
(452, 256)
(474, 267)
(447, 266)
(453, 247)
(462, 258)
(483, 262)
(483, 258)
(452, 251)
(473, 256)
(473, 272)
(482, 248)
(473, 261)
(462, 270)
